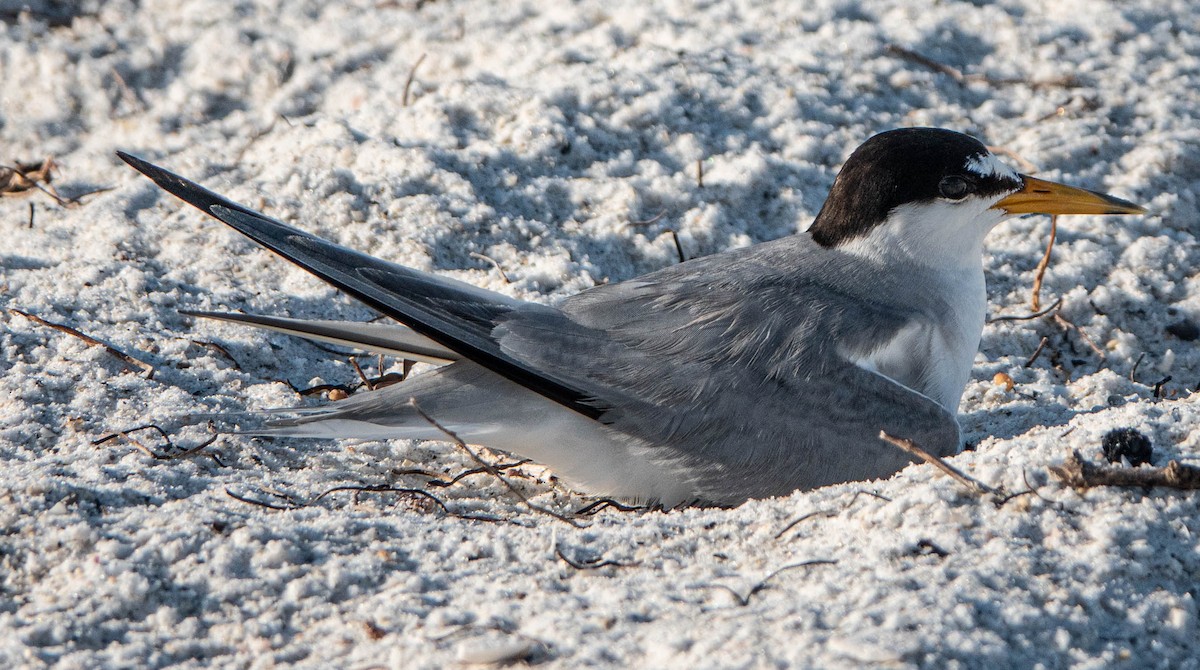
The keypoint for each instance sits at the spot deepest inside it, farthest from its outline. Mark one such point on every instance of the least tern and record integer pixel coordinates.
(746, 374)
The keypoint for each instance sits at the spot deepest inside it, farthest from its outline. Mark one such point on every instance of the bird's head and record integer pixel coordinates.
(932, 195)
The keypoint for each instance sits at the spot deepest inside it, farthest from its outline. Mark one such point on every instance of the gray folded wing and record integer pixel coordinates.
(453, 314)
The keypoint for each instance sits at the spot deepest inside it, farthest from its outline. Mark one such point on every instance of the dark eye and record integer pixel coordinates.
(955, 187)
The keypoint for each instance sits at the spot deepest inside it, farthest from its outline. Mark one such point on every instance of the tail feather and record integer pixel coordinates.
(380, 338)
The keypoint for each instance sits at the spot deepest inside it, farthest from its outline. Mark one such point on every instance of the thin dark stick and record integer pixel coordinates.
(490, 468)
(1037, 352)
(361, 374)
(124, 357)
(964, 79)
(170, 456)
(383, 488)
(798, 520)
(220, 350)
(408, 82)
(593, 564)
(446, 483)
(1158, 386)
(414, 471)
(31, 216)
(908, 54)
(1133, 371)
(260, 503)
(829, 514)
(1027, 317)
(744, 600)
(1032, 489)
(76, 199)
(594, 507)
(678, 246)
(148, 426)
(180, 454)
(957, 475)
(292, 504)
(700, 172)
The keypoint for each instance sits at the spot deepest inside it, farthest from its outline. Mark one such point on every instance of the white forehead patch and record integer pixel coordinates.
(988, 165)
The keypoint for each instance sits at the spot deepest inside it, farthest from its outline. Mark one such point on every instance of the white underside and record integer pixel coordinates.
(582, 451)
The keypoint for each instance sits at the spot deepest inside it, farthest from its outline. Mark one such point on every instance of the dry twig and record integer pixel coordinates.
(491, 469)
(1133, 370)
(1029, 317)
(650, 220)
(593, 563)
(1078, 473)
(829, 514)
(957, 475)
(113, 351)
(1035, 299)
(24, 178)
(176, 454)
(128, 94)
(1069, 325)
(446, 483)
(291, 503)
(495, 264)
(361, 375)
(744, 600)
(1037, 352)
(963, 79)
(408, 82)
(678, 247)
(220, 350)
(595, 506)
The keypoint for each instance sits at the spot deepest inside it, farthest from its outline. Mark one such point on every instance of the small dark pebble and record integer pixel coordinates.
(928, 548)
(1186, 330)
(1127, 443)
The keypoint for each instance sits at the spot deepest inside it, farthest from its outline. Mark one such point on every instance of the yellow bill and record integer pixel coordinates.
(1046, 197)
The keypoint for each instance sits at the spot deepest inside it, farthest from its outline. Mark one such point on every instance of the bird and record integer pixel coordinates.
(750, 373)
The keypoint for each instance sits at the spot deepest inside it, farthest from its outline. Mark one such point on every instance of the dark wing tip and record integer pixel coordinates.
(184, 189)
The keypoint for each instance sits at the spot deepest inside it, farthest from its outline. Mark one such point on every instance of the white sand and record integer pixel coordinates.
(535, 135)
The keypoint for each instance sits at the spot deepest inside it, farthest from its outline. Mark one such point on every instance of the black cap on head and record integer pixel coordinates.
(898, 167)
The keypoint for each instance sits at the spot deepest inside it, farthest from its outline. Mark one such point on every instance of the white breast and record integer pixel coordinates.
(935, 357)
